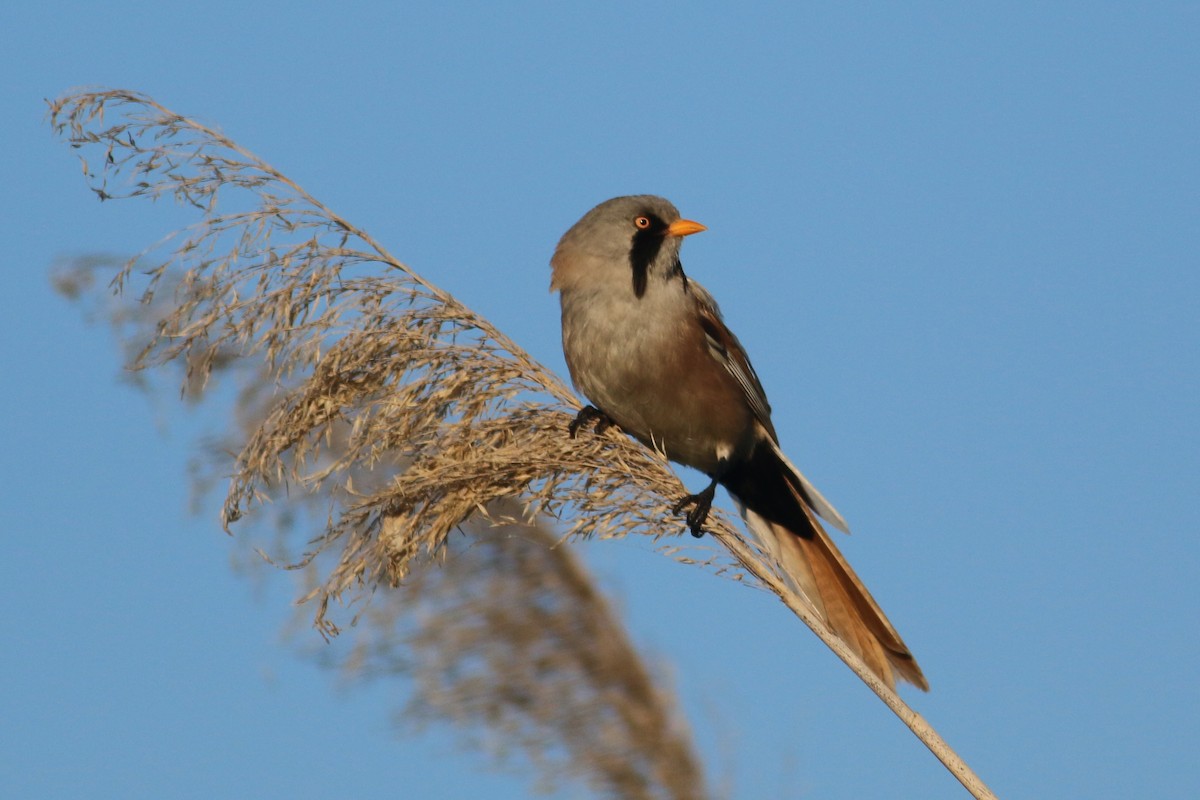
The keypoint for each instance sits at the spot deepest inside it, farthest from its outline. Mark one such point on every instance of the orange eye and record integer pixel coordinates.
(642, 222)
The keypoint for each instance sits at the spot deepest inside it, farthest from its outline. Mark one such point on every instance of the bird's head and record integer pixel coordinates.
(627, 239)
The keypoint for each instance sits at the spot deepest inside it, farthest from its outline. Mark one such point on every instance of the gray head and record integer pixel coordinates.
(627, 239)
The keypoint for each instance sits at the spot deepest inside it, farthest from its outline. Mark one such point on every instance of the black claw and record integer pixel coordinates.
(701, 504)
(587, 416)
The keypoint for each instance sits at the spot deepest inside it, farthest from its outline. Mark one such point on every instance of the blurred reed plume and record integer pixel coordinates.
(514, 615)
(391, 417)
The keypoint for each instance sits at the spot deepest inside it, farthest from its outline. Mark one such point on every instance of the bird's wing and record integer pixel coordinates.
(728, 351)
(724, 346)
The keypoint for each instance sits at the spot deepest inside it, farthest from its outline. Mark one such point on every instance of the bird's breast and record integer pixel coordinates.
(644, 362)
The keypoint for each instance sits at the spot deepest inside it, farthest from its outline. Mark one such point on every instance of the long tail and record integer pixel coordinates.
(777, 503)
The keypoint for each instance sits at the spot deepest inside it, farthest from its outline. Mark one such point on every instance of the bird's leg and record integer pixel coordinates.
(587, 416)
(701, 504)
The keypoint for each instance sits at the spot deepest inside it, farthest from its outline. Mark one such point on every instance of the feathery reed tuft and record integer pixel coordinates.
(349, 336)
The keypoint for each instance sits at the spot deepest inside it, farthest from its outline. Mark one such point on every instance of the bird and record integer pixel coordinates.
(649, 349)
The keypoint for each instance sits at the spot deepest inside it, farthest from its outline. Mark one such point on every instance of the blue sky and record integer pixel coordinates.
(959, 242)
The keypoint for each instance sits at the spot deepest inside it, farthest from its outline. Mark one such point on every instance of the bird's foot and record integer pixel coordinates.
(701, 504)
(589, 415)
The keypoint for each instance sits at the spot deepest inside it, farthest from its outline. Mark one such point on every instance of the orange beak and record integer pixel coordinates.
(684, 227)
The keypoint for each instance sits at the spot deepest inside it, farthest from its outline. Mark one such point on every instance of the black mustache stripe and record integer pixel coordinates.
(646, 244)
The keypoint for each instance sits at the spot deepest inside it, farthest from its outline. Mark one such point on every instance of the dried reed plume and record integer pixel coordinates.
(563, 682)
(376, 374)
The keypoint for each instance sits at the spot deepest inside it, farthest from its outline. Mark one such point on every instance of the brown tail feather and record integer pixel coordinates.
(820, 572)
(776, 511)
(881, 645)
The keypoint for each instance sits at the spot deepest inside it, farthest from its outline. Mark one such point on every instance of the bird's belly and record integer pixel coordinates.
(657, 381)
(693, 423)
